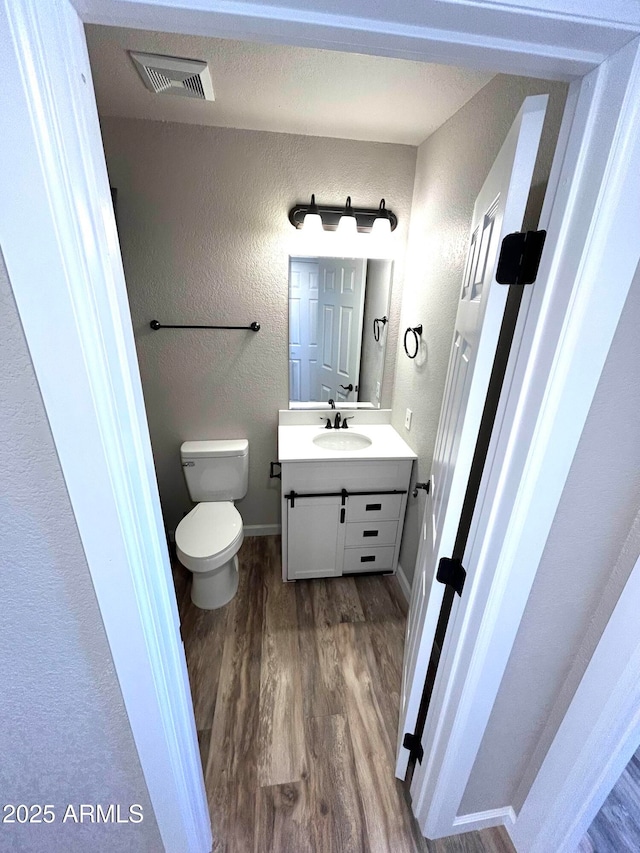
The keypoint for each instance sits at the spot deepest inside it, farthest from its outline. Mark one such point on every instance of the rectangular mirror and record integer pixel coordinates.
(338, 310)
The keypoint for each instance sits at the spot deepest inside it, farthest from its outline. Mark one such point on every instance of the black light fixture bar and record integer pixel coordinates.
(365, 216)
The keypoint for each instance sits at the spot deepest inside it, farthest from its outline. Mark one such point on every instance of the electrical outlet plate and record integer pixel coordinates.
(407, 419)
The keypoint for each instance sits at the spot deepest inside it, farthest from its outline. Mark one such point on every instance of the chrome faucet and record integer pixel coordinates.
(336, 423)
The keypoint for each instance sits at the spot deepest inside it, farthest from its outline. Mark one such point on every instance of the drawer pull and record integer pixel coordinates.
(369, 532)
(373, 507)
(367, 559)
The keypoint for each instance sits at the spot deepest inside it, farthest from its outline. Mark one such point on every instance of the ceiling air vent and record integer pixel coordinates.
(170, 75)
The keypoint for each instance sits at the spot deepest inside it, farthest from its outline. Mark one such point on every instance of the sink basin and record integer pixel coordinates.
(342, 440)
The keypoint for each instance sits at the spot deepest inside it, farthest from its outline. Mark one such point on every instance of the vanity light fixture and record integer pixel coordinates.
(330, 216)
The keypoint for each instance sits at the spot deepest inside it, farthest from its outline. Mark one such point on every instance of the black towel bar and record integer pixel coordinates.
(155, 325)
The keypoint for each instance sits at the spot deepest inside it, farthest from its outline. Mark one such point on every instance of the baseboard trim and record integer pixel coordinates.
(249, 530)
(405, 586)
(262, 530)
(483, 820)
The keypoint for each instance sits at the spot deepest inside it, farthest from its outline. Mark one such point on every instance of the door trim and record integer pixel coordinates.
(72, 301)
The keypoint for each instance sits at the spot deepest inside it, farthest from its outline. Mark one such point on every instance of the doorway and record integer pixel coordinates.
(114, 348)
(152, 186)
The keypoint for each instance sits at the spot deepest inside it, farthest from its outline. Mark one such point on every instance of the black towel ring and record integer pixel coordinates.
(376, 326)
(417, 333)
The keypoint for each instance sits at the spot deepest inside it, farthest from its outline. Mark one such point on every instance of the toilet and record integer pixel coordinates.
(210, 536)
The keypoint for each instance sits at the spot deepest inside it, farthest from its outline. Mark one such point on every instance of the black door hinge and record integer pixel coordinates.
(520, 257)
(412, 743)
(451, 573)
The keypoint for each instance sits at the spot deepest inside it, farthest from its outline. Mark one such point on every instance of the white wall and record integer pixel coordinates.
(64, 733)
(592, 547)
(202, 216)
(451, 167)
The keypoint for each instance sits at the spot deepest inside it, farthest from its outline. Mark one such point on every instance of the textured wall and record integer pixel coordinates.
(593, 544)
(64, 734)
(451, 168)
(202, 215)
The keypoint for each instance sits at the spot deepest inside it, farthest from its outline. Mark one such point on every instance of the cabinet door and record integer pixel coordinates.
(315, 536)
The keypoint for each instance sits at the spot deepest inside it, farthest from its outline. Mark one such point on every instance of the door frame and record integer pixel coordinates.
(72, 300)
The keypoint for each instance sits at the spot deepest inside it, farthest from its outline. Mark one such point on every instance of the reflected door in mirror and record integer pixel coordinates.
(303, 328)
(333, 349)
(341, 284)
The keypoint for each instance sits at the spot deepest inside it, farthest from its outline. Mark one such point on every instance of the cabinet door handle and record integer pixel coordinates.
(342, 512)
(367, 559)
(373, 507)
(369, 532)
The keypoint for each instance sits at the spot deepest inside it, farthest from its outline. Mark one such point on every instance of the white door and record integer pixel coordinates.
(303, 327)
(340, 313)
(498, 210)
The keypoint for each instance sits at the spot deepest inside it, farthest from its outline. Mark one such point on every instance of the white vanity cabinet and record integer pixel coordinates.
(342, 518)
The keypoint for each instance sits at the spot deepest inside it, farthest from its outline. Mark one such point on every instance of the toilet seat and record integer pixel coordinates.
(209, 536)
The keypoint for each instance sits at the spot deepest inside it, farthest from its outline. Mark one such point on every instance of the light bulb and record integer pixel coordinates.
(381, 228)
(347, 226)
(312, 223)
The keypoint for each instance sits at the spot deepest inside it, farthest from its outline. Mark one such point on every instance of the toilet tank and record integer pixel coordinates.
(216, 470)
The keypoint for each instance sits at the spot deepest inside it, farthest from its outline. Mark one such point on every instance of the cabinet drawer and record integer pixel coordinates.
(371, 533)
(374, 507)
(355, 476)
(368, 559)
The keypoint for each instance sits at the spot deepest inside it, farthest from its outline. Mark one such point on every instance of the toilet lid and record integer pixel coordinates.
(209, 529)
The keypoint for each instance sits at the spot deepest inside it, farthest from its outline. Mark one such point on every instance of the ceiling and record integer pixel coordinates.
(283, 88)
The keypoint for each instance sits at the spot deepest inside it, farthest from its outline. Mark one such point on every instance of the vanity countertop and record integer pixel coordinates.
(295, 444)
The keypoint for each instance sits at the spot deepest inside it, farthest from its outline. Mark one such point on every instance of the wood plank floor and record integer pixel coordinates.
(296, 695)
(616, 827)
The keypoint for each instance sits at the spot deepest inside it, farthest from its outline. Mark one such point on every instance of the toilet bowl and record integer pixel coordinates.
(209, 537)
(207, 541)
